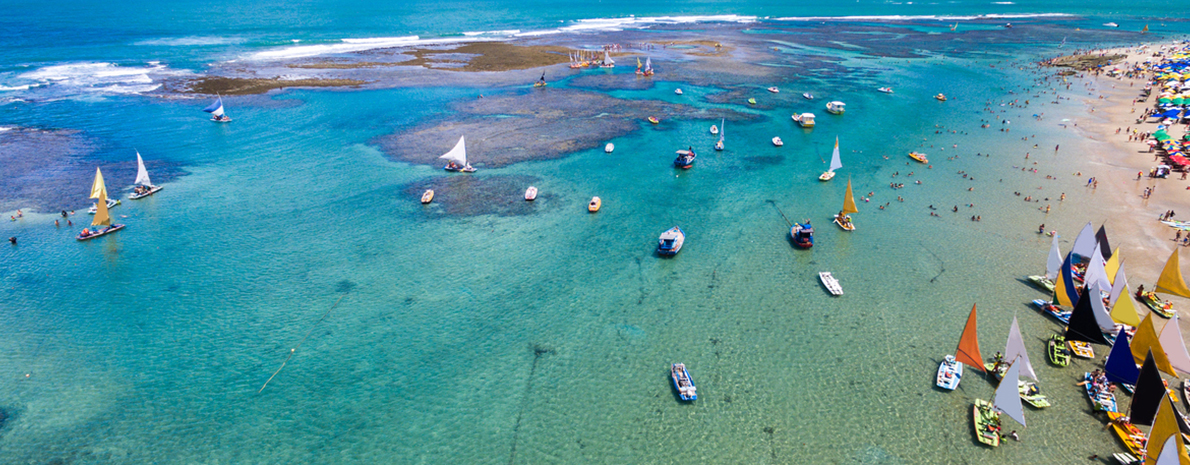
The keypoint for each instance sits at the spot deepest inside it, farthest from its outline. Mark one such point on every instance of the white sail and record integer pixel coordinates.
(1095, 270)
(1118, 287)
(1008, 396)
(1016, 348)
(648, 64)
(1175, 346)
(1102, 317)
(1055, 261)
(835, 162)
(1084, 244)
(1169, 452)
(142, 175)
(457, 154)
(607, 60)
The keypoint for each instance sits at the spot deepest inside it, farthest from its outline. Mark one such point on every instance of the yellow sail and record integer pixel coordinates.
(97, 187)
(1171, 281)
(102, 218)
(1061, 295)
(849, 201)
(1164, 426)
(1145, 341)
(1113, 265)
(1125, 311)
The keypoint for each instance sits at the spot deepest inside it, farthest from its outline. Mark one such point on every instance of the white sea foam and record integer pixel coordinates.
(925, 17)
(632, 22)
(14, 88)
(193, 41)
(1004, 3)
(356, 45)
(509, 32)
(72, 78)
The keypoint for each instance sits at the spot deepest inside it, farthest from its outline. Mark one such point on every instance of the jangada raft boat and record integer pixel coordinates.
(216, 111)
(144, 187)
(1032, 395)
(830, 283)
(1100, 398)
(802, 235)
(987, 423)
(920, 157)
(102, 218)
(682, 382)
(98, 188)
(835, 164)
(940, 97)
(950, 373)
(685, 159)
(1133, 438)
(595, 204)
(1057, 352)
(805, 120)
(456, 158)
(1052, 310)
(843, 219)
(670, 242)
(531, 193)
(1081, 349)
(778, 142)
(836, 108)
(427, 196)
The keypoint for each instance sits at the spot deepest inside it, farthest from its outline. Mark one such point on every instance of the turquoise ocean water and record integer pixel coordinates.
(537, 338)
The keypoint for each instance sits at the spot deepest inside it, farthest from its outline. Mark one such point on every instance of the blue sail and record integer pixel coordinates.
(1120, 367)
(215, 107)
(1068, 279)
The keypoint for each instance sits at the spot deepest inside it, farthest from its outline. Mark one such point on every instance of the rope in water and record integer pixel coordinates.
(299, 345)
(790, 223)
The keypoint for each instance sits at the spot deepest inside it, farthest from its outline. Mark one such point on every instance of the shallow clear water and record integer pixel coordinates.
(542, 338)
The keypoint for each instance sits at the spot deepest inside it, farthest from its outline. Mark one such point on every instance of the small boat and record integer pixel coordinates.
(1133, 438)
(654, 120)
(648, 66)
(805, 120)
(456, 159)
(682, 382)
(144, 187)
(808, 96)
(541, 82)
(609, 147)
(670, 242)
(99, 188)
(802, 234)
(752, 101)
(102, 218)
(110, 203)
(1100, 399)
(887, 90)
(940, 97)
(427, 196)
(950, 373)
(1111, 24)
(1156, 303)
(774, 90)
(835, 164)
(843, 219)
(678, 91)
(714, 129)
(685, 159)
(1081, 349)
(836, 108)
(1042, 282)
(1031, 394)
(920, 157)
(594, 205)
(1058, 353)
(987, 423)
(1186, 391)
(1052, 310)
(777, 142)
(608, 62)
(723, 126)
(531, 193)
(216, 111)
(831, 284)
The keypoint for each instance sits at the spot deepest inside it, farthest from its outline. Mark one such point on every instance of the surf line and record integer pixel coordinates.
(299, 345)
(774, 203)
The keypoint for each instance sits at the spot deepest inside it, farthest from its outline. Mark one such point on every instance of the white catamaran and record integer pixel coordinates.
(835, 164)
(144, 187)
(456, 158)
(216, 111)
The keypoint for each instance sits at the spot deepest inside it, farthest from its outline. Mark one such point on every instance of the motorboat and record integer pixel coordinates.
(1111, 24)
(714, 129)
(777, 142)
(950, 373)
(427, 196)
(531, 193)
(654, 120)
(940, 97)
(920, 157)
(609, 147)
(670, 242)
(678, 91)
(774, 90)
(752, 101)
(685, 159)
(831, 284)
(808, 96)
(805, 120)
(682, 382)
(887, 90)
(836, 107)
(594, 205)
(802, 235)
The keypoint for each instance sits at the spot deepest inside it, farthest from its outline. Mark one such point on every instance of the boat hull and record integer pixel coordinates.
(1056, 352)
(152, 190)
(1042, 282)
(427, 196)
(849, 226)
(671, 241)
(987, 423)
(683, 383)
(594, 205)
(465, 169)
(531, 194)
(950, 373)
(104, 232)
(1100, 400)
(830, 283)
(827, 176)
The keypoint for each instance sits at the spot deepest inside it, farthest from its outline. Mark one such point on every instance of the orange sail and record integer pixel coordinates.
(1171, 281)
(1145, 341)
(968, 351)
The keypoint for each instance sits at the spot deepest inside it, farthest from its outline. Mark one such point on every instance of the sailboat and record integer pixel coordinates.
(608, 62)
(456, 158)
(1007, 402)
(1054, 261)
(541, 82)
(102, 218)
(719, 145)
(1171, 281)
(950, 371)
(639, 71)
(144, 187)
(843, 219)
(216, 111)
(835, 163)
(99, 189)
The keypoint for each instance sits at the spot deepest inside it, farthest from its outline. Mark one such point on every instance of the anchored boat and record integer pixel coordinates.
(940, 97)
(144, 187)
(805, 120)
(778, 142)
(920, 157)
(835, 164)
(887, 90)
(774, 90)
(808, 96)
(950, 372)
(831, 284)
(685, 159)
(427, 196)
(456, 159)
(531, 194)
(714, 130)
(843, 219)
(670, 242)
(102, 218)
(836, 107)
(654, 120)
(1056, 350)
(802, 235)
(682, 382)
(609, 147)
(594, 205)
